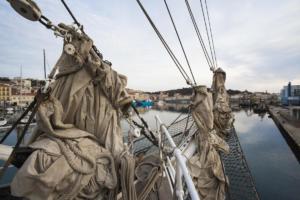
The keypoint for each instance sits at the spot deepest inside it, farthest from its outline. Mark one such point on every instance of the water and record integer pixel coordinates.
(11, 140)
(274, 167)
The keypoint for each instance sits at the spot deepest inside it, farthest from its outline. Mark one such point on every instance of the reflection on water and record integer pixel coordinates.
(172, 107)
(274, 167)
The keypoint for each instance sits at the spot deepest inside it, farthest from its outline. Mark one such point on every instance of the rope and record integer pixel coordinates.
(171, 54)
(72, 15)
(30, 107)
(175, 120)
(199, 35)
(75, 152)
(211, 35)
(153, 138)
(151, 178)
(208, 37)
(144, 133)
(35, 104)
(127, 178)
(179, 39)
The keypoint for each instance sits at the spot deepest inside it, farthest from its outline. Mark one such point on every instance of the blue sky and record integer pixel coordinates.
(257, 41)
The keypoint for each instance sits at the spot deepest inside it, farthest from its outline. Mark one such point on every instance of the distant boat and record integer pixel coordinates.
(142, 103)
(3, 121)
(160, 103)
(9, 111)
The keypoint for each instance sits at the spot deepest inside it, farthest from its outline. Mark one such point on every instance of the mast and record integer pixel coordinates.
(44, 54)
(21, 87)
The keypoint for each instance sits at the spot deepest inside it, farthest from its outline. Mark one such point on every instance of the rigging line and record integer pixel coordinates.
(211, 35)
(72, 15)
(171, 54)
(207, 34)
(144, 123)
(199, 35)
(179, 39)
(173, 57)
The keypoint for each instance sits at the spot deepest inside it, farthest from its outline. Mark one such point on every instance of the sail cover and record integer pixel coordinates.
(223, 117)
(206, 166)
(78, 139)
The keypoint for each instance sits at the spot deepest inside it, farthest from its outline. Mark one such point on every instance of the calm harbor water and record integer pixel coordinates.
(274, 167)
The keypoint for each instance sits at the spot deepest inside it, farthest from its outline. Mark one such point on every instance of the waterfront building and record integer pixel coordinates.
(23, 84)
(290, 94)
(138, 94)
(178, 98)
(162, 96)
(21, 98)
(5, 92)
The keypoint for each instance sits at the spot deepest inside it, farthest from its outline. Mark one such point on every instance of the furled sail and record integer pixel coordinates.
(206, 166)
(79, 140)
(223, 117)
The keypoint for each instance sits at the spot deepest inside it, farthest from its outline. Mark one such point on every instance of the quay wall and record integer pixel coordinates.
(289, 127)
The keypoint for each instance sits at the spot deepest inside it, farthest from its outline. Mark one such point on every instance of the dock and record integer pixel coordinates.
(291, 127)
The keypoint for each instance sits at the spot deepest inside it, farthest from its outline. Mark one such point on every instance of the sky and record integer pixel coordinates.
(257, 42)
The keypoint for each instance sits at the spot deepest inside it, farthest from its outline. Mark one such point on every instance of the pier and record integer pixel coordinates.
(290, 126)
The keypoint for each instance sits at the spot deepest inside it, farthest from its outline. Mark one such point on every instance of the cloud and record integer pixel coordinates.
(257, 42)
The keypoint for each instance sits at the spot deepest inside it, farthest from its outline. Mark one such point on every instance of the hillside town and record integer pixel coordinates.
(17, 93)
(20, 92)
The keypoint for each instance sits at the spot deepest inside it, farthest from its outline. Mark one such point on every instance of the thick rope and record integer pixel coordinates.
(127, 178)
(151, 179)
(74, 151)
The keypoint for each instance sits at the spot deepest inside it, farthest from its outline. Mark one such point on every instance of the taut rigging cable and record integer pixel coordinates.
(179, 39)
(173, 57)
(211, 35)
(207, 34)
(199, 36)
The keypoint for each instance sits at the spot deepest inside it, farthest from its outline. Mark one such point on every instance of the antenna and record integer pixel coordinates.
(21, 85)
(45, 73)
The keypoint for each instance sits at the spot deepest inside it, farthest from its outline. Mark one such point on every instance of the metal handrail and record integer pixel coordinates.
(181, 163)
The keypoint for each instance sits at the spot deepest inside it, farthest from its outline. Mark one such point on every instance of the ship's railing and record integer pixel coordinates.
(181, 170)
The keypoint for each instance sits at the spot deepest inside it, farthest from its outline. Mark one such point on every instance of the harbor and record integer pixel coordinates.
(149, 100)
(271, 160)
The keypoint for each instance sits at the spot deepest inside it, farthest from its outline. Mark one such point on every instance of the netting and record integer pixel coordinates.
(241, 185)
(181, 130)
